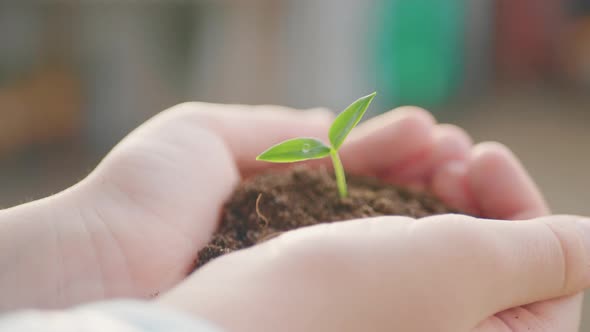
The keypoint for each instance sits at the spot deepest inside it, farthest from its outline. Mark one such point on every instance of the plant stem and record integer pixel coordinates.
(339, 171)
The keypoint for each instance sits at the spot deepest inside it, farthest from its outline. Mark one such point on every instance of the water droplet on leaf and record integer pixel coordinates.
(305, 148)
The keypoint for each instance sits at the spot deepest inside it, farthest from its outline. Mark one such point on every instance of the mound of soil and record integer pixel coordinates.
(266, 205)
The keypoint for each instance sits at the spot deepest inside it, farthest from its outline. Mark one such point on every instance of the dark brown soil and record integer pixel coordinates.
(266, 205)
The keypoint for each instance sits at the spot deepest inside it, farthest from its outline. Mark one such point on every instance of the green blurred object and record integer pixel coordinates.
(419, 50)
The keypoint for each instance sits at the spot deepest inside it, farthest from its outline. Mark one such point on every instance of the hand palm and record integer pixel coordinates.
(163, 187)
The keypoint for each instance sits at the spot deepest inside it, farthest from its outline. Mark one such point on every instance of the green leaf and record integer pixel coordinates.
(348, 119)
(296, 149)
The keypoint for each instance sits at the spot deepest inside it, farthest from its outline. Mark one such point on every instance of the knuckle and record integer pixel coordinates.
(415, 111)
(570, 250)
(491, 152)
(450, 130)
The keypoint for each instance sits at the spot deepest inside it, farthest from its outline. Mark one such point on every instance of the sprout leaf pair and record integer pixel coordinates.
(299, 149)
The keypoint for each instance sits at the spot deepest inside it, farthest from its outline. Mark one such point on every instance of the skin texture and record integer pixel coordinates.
(133, 226)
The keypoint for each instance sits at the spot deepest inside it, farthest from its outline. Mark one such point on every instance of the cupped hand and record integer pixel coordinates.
(407, 147)
(133, 227)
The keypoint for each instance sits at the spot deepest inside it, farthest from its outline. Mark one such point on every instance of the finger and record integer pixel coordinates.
(504, 264)
(249, 130)
(500, 186)
(392, 146)
(449, 183)
(564, 312)
(561, 314)
(448, 167)
(452, 143)
(497, 264)
(449, 144)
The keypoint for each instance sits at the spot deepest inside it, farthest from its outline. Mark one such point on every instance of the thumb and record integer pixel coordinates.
(158, 194)
(171, 169)
(518, 263)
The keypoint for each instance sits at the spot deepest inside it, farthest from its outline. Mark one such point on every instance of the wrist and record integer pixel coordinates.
(49, 255)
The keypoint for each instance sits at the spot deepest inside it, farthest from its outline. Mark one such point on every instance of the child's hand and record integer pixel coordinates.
(443, 273)
(134, 226)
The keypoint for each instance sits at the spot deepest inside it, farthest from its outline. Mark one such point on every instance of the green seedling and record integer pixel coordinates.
(300, 149)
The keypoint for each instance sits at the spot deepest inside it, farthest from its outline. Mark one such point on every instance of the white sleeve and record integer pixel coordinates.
(115, 316)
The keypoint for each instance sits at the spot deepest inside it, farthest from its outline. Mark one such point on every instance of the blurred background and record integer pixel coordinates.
(76, 76)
